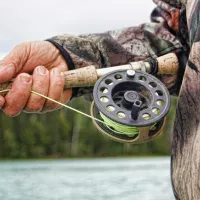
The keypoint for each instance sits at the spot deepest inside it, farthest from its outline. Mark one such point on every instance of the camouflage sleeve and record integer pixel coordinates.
(166, 33)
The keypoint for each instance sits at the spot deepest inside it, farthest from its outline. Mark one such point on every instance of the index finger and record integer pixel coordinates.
(17, 97)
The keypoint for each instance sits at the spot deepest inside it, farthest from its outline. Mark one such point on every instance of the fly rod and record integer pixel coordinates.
(130, 101)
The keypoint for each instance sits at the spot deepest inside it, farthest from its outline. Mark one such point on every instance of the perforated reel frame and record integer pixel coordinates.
(150, 90)
(145, 134)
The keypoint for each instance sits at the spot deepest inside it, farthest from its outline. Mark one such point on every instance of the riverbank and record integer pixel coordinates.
(87, 157)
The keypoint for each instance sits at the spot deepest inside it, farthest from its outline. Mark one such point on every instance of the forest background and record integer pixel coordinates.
(64, 134)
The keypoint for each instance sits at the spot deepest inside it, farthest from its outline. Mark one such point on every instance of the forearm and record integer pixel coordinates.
(126, 45)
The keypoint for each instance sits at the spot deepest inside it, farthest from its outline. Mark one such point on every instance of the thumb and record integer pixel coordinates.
(7, 72)
(13, 62)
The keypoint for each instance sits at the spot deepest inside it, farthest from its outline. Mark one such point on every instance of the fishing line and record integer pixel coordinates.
(113, 126)
(59, 103)
(120, 128)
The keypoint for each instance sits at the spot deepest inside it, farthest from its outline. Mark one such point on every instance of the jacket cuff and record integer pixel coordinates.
(64, 53)
(68, 60)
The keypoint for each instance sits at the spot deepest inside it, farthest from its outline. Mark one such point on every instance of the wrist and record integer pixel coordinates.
(64, 53)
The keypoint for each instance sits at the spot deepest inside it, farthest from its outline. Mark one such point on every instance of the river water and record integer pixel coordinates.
(86, 179)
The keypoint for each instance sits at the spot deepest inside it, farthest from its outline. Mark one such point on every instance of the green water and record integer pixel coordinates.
(86, 179)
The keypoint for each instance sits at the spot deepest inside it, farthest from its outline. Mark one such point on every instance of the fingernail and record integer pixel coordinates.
(7, 68)
(26, 78)
(56, 71)
(42, 70)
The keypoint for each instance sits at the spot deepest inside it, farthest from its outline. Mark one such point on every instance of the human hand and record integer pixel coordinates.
(44, 62)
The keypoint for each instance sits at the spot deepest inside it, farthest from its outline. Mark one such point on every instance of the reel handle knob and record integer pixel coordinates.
(136, 109)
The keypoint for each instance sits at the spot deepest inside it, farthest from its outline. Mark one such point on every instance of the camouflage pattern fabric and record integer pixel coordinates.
(174, 27)
(117, 47)
(186, 136)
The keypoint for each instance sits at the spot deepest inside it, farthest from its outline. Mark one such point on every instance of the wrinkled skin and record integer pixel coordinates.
(35, 66)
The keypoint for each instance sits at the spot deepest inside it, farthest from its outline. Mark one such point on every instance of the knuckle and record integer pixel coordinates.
(11, 112)
(50, 106)
(13, 106)
(24, 48)
(33, 109)
(37, 107)
(34, 106)
(56, 78)
(2, 102)
(59, 82)
(21, 45)
(43, 87)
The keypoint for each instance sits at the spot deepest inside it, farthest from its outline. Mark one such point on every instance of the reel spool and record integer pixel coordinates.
(132, 104)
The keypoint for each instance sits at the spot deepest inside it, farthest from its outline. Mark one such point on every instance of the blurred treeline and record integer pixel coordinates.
(65, 133)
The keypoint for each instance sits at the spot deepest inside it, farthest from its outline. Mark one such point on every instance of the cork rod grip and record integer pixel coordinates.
(86, 76)
(168, 64)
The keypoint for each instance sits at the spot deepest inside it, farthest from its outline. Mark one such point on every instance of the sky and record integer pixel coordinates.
(25, 20)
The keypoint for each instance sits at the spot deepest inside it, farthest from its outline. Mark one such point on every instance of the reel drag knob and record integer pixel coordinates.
(131, 105)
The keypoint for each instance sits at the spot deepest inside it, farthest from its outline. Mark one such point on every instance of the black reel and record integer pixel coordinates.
(131, 98)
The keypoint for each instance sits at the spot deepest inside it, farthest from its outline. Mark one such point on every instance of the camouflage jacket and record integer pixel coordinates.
(167, 32)
(174, 27)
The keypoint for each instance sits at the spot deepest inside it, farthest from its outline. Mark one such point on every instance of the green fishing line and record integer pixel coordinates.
(122, 129)
(119, 128)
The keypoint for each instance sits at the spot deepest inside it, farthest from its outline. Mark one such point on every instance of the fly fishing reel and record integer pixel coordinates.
(131, 106)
